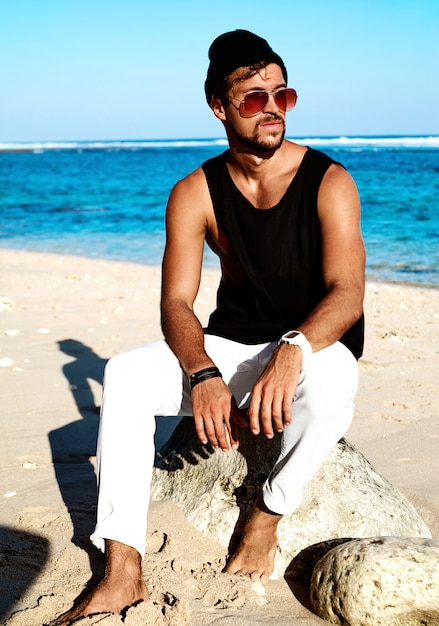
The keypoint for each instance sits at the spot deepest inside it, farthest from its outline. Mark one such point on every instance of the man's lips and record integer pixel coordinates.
(268, 121)
(272, 123)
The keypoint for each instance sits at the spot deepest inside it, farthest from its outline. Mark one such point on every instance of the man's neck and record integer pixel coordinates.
(252, 164)
(263, 181)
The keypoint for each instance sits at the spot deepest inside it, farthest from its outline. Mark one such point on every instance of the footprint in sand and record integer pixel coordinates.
(156, 542)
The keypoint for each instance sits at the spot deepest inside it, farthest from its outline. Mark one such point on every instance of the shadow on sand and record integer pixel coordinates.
(74, 445)
(299, 572)
(260, 454)
(23, 555)
(73, 448)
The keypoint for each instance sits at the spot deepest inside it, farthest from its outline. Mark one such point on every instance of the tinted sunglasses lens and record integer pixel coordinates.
(253, 103)
(285, 99)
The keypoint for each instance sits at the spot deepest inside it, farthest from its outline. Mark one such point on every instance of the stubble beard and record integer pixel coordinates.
(255, 143)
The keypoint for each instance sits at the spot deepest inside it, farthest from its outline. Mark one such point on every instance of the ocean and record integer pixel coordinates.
(107, 199)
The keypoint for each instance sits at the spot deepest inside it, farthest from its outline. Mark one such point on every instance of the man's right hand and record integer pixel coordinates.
(216, 414)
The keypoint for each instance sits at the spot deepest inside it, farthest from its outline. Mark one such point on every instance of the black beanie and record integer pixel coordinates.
(239, 48)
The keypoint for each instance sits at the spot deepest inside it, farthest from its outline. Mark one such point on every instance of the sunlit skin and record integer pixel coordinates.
(264, 133)
(262, 164)
(122, 586)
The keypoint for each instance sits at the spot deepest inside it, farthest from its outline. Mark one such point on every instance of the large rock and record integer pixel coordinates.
(346, 498)
(382, 581)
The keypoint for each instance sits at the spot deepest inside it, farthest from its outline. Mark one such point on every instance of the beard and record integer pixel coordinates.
(257, 144)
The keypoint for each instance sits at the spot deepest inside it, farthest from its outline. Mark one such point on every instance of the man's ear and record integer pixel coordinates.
(218, 108)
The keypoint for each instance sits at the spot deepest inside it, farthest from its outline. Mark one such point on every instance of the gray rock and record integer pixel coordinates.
(346, 498)
(382, 581)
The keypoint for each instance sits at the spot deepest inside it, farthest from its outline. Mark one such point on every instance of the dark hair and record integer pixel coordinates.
(233, 50)
(222, 90)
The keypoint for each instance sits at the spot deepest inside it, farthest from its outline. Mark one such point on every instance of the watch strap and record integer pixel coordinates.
(296, 338)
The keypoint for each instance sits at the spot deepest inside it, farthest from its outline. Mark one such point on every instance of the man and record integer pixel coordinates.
(283, 342)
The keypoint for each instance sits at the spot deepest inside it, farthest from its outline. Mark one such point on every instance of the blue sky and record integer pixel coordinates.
(134, 69)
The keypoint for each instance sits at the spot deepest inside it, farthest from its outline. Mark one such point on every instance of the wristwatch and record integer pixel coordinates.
(296, 338)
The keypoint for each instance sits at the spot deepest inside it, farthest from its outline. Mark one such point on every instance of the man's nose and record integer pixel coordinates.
(271, 106)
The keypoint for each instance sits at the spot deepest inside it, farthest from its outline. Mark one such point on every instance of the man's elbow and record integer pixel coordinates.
(357, 300)
(350, 297)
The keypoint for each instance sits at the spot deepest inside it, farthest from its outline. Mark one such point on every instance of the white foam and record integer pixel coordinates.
(107, 145)
(421, 141)
(431, 141)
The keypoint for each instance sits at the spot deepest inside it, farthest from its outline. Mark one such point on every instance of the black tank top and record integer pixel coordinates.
(271, 261)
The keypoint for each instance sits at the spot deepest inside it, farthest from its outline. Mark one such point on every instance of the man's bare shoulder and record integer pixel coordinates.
(338, 199)
(337, 186)
(193, 185)
(336, 174)
(293, 151)
(288, 158)
(190, 202)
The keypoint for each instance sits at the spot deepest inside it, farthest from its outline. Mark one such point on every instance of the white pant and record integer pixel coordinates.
(148, 382)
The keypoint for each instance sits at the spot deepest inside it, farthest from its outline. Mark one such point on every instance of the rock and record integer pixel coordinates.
(382, 581)
(346, 498)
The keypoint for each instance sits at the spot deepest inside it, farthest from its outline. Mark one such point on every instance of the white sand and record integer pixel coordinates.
(50, 391)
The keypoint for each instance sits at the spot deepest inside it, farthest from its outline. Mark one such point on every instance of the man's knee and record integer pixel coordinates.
(331, 376)
(137, 364)
(115, 367)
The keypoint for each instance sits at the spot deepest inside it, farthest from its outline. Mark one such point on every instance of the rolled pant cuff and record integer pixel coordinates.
(280, 508)
(100, 536)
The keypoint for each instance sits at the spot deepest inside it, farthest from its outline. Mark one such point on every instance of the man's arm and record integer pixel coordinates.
(188, 214)
(186, 226)
(343, 261)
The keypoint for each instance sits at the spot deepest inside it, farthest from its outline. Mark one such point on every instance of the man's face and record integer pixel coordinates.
(264, 132)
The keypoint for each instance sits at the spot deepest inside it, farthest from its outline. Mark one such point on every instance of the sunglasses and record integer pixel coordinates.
(256, 101)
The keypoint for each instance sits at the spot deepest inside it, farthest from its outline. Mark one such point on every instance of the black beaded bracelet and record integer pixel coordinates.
(208, 372)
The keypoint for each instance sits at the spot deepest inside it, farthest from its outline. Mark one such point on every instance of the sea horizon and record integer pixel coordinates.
(392, 140)
(107, 199)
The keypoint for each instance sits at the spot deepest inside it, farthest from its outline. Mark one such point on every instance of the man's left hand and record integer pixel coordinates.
(273, 394)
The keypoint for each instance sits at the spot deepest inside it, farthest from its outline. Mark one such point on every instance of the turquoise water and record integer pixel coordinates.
(107, 199)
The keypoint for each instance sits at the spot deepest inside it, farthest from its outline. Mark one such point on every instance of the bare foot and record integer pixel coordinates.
(255, 554)
(122, 586)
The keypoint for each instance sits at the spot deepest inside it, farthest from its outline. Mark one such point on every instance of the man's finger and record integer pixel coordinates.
(234, 435)
(287, 410)
(221, 437)
(253, 413)
(266, 414)
(199, 429)
(236, 419)
(205, 430)
(277, 414)
(220, 420)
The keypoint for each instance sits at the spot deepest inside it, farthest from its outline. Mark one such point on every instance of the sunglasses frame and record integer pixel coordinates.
(273, 93)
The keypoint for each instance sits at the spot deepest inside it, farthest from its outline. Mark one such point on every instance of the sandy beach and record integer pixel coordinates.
(62, 318)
